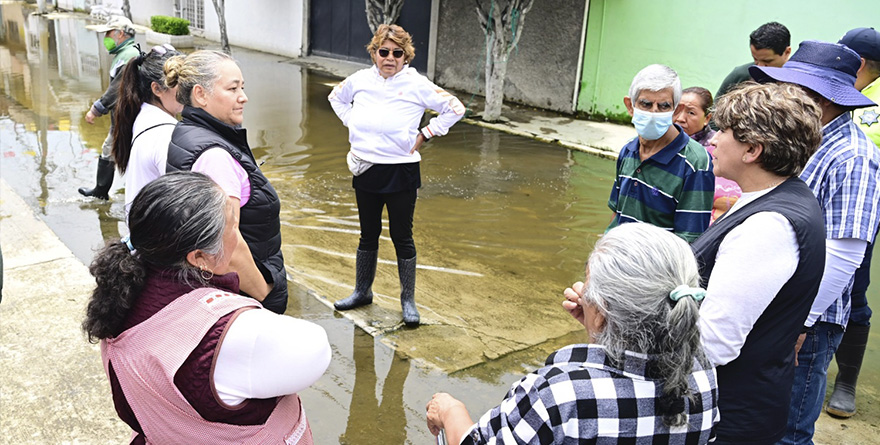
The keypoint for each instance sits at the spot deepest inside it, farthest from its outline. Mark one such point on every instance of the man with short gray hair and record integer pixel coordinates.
(663, 176)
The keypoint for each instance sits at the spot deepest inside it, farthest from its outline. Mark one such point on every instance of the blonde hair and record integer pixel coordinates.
(779, 116)
(199, 68)
(395, 34)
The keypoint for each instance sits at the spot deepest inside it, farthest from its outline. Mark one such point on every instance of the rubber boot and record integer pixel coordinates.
(103, 182)
(849, 361)
(406, 269)
(365, 272)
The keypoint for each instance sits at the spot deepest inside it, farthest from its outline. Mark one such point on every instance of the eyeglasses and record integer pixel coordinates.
(647, 105)
(398, 53)
(162, 49)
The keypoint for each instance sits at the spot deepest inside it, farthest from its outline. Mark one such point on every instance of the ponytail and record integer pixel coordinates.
(120, 278)
(128, 105)
(644, 280)
(136, 88)
(676, 360)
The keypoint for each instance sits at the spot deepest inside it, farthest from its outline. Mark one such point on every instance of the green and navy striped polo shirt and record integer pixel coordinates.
(673, 189)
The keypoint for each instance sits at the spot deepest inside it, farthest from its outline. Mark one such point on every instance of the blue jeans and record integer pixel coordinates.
(808, 389)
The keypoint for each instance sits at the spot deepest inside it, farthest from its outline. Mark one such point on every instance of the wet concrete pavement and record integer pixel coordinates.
(503, 224)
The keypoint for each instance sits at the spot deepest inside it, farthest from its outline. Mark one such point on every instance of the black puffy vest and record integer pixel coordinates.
(259, 222)
(754, 390)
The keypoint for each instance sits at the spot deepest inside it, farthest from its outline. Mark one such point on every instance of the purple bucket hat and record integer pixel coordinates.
(826, 68)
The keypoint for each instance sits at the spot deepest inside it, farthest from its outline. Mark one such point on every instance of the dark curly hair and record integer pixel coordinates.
(172, 216)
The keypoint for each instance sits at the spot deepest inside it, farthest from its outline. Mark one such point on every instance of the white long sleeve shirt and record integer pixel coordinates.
(383, 115)
(266, 355)
(151, 131)
(733, 304)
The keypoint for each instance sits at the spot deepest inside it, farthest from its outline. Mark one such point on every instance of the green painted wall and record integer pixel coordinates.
(701, 39)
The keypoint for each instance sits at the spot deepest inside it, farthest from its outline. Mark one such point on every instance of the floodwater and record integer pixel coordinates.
(503, 224)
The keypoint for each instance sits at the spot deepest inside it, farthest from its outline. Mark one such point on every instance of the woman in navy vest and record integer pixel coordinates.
(210, 140)
(762, 261)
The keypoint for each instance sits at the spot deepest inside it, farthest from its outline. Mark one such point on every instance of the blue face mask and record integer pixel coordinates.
(651, 126)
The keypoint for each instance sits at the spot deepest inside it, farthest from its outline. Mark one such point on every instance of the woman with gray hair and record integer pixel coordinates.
(187, 358)
(643, 375)
(756, 302)
(210, 139)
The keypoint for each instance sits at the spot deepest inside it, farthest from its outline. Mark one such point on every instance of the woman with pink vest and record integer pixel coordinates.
(189, 360)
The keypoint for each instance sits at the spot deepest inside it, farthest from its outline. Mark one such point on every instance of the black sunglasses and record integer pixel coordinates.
(398, 53)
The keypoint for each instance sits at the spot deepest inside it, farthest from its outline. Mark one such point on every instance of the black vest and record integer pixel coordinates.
(754, 390)
(259, 222)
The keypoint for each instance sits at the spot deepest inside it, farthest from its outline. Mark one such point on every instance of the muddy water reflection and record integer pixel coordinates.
(503, 224)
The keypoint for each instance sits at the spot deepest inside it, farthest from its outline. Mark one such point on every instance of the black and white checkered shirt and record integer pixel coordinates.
(582, 397)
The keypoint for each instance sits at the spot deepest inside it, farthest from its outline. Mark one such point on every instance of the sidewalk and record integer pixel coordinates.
(52, 384)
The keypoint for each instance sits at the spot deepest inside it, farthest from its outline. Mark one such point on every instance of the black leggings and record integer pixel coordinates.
(401, 206)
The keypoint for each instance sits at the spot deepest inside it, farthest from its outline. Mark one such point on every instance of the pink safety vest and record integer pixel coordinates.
(146, 357)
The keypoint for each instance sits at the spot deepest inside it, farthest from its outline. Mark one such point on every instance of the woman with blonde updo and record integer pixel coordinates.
(211, 140)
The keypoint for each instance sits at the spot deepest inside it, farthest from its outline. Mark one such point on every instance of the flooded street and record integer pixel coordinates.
(503, 224)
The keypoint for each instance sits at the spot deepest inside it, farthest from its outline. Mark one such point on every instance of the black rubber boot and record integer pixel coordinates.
(103, 182)
(842, 402)
(365, 272)
(406, 269)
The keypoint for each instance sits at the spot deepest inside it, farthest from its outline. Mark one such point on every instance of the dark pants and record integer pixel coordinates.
(861, 313)
(401, 206)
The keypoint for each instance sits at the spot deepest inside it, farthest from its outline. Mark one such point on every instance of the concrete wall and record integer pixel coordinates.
(701, 40)
(141, 11)
(270, 26)
(542, 71)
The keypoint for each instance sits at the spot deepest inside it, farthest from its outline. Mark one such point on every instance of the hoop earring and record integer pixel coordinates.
(206, 273)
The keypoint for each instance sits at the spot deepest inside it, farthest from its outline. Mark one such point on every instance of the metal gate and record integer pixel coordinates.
(338, 29)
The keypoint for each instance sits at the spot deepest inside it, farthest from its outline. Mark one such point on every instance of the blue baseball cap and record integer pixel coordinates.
(864, 41)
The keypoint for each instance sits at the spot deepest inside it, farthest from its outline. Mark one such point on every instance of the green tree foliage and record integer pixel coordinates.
(169, 25)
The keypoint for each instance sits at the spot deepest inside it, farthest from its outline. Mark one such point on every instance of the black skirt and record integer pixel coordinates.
(388, 178)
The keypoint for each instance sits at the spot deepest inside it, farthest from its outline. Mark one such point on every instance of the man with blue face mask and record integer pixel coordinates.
(663, 177)
(119, 41)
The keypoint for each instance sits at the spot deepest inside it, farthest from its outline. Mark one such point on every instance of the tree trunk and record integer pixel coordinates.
(126, 9)
(220, 8)
(496, 70)
(382, 12)
(501, 22)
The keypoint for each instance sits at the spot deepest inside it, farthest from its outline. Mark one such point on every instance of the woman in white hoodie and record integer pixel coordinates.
(145, 118)
(382, 106)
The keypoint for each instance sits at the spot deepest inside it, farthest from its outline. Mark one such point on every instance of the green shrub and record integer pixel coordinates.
(169, 25)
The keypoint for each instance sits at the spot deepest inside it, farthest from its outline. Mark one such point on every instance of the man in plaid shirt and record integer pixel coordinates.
(843, 174)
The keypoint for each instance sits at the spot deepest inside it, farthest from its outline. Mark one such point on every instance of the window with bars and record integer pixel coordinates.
(194, 11)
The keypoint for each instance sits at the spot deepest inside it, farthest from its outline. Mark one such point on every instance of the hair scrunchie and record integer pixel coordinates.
(684, 290)
(127, 242)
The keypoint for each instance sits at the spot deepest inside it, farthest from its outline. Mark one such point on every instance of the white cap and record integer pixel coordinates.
(114, 22)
